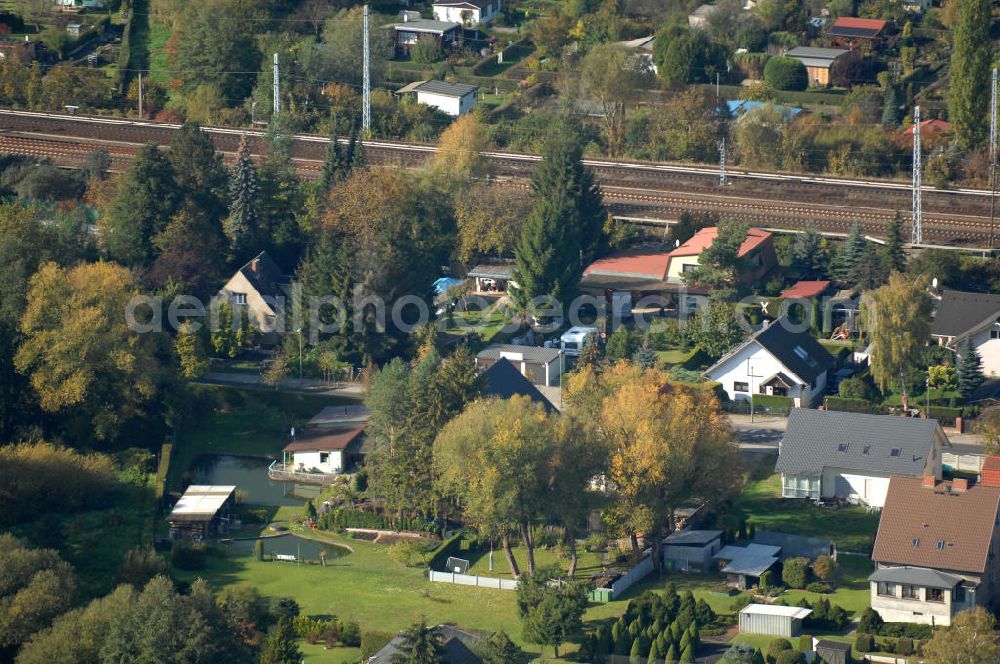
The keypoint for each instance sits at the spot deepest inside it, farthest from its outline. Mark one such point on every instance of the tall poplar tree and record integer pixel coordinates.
(244, 216)
(565, 230)
(971, 55)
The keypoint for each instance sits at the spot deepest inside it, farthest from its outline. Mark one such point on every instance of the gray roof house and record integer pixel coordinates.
(456, 645)
(542, 366)
(503, 381)
(973, 316)
(851, 456)
(691, 550)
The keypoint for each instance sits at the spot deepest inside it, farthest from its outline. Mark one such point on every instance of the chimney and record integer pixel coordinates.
(960, 484)
(254, 265)
(929, 481)
(990, 474)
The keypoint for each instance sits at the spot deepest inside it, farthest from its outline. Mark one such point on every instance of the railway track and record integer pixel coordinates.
(650, 191)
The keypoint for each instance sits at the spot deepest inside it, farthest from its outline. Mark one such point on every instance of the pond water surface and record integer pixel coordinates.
(249, 474)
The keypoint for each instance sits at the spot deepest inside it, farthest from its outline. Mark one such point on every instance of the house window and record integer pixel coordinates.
(741, 387)
(324, 457)
(689, 267)
(994, 334)
(842, 447)
(886, 589)
(935, 595)
(239, 298)
(895, 452)
(910, 591)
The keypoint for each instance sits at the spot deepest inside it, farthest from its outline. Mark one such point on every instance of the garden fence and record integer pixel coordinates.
(472, 580)
(964, 463)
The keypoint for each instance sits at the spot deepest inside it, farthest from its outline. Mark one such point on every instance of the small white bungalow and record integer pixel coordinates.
(322, 451)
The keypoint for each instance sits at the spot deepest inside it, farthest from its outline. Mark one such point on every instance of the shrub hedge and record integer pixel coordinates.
(845, 405)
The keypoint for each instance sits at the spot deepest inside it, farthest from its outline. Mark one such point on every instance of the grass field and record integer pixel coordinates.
(159, 35)
(851, 528)
(587, 563)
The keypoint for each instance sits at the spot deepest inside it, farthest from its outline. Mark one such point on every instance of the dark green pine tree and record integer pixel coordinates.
(333, 164)
(871, 271)
(242, 226)
(564, 231)
(971, 55)
(281, 646)
(890, 107)
(969, 368)
(809, 254)
(645, 357)
(352, 145)
(142, 207)
(895, 252)
(850, 254)
(326, 272)
(198, 169)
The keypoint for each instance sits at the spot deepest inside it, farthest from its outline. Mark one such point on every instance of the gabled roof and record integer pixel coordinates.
(315, 440)
(530, 354)
(492, 271)
(960, 312)
(503, 381)
(799, 352)
(805, 289)
(478, 4)
(816, 57)
(930, 128)
(706, 236)
(649, 262)
(457, 645)
(884, 444)
(264, 275)
(941, 527)
(446, 89)
(865, 28)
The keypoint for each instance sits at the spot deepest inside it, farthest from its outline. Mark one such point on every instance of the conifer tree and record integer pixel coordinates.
(281, 646)
(895, 253)
(645, 357)
(565, 230)
(971, 55)
(242, 225)
(198, 170)
(635, 654)
(890, 111)
(969, 369)
(851, 253)
(687, 655)
(352, 145)
(654, 654)
(808, 252)
(332, 161)
(671, 657)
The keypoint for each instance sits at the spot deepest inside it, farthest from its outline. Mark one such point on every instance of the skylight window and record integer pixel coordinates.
(940, 545)
(896, 451)
(868, 449)
(800, 351)
(916, 541)
(843, 447)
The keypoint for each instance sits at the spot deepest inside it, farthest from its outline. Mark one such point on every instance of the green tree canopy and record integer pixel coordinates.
(971, 56)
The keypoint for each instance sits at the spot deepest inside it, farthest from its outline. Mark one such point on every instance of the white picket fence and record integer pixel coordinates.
(473, 580)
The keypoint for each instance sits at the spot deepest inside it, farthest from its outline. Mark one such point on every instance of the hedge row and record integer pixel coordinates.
(352, 518)
(772, 401)
(448, 548)
(846, 405)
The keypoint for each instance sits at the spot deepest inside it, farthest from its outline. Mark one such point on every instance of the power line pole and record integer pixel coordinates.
(918, 215)
(722, 162)
(366, 98)
(993, 154)
(276, 93)
(140, 95)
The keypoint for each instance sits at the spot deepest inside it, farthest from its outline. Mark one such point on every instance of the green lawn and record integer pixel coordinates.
(587, 563)
(159, 35)
(851, 528)
(852, 593)
(248, 422)
(675, 357)
(486, 323)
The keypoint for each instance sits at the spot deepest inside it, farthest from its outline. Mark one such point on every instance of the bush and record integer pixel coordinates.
(595, 543)
(772, 402)
(350, 635)
(805, 643)
(187, 555)
(790, 657)
(864, 643)
(426, 50)
(852, 405)
(819, 588)
(775, 648)
(795, 572)
(766, 580)
(786, 73)
(372, 642)
(904, 646)
(140, 565)
(870, 622)
(825, 568)
(914, 631)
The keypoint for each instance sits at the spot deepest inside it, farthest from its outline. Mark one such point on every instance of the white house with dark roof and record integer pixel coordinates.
(776, 361)
(542, 366)
(975, 316)
(830, 454)
(451, 98)
(502, 381)
(466, 12)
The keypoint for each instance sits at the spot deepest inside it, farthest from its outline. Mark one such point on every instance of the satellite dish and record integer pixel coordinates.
(677, 243)
(934, 282)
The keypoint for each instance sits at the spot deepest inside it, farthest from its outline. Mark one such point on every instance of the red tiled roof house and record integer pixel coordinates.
(936, 552)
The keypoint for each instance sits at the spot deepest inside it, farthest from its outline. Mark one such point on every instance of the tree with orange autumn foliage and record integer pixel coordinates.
(666, 444)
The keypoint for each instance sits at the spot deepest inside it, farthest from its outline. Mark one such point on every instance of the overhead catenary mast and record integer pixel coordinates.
(918, 215)
(993, 155)
(277, 88)
(366, 96)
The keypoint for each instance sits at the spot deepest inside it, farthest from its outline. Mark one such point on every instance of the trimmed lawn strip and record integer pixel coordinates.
(587, 564)
(851, 528)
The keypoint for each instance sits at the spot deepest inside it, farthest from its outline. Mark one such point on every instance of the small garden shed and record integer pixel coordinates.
(772, 620)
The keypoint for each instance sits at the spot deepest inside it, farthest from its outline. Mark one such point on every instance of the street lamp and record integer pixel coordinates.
(299, 332)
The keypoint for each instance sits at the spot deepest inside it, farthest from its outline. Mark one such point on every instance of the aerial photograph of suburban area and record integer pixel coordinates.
(499, 331)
